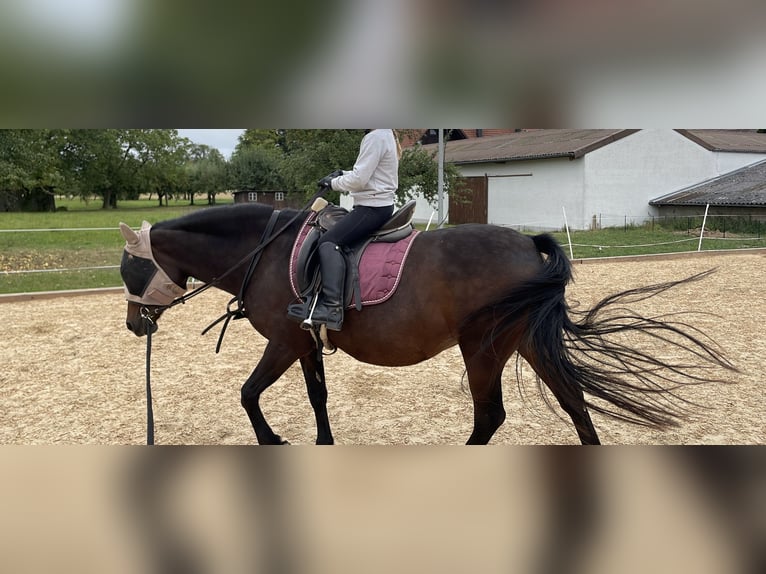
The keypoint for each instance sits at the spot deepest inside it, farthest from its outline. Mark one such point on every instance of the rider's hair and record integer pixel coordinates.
(398, 144)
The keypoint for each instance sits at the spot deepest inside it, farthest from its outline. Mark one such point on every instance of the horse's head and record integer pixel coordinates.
(148, 288)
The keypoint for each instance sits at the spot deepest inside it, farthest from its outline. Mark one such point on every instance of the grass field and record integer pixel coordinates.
(86, 237)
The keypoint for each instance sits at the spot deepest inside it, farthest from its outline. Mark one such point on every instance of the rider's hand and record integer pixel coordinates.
(326, 182)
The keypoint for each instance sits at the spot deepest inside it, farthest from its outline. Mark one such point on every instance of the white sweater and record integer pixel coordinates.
(375, 176)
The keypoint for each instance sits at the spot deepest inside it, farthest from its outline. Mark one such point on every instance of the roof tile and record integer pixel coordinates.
(743, 187)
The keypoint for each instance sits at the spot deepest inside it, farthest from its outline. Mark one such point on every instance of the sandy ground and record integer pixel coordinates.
(72, 374)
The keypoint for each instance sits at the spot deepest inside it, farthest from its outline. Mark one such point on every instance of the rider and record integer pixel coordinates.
(372, 184)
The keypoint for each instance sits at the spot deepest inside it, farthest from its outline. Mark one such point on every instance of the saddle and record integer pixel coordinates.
(304, 262)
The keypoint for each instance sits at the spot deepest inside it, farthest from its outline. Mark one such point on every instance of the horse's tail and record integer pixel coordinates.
(598, 351)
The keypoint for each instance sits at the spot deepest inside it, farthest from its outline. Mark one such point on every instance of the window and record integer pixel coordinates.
(252, 196)
(279, 196)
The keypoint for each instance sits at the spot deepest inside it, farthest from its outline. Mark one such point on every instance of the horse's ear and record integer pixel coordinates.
(145, 225)
(129, 235)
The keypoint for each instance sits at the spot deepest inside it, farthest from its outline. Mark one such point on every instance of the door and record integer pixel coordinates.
(469, 205)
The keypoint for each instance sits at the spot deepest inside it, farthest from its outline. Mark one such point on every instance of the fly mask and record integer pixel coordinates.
(144, 280)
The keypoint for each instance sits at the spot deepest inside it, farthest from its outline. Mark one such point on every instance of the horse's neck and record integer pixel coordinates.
(208, 256)
(197, 255)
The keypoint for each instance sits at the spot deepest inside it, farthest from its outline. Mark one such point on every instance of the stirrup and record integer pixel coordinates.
(308, 324)
(331, 325)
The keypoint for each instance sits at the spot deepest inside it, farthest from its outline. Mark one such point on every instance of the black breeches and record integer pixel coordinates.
(357, 225)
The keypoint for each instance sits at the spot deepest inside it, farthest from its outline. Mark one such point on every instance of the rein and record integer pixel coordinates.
(239, 313)
(150, 315)
(151, 327)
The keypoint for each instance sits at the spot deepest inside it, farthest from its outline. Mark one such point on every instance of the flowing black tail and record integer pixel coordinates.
(599, 351)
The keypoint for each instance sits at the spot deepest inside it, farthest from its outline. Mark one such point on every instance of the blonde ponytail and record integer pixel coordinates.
(398, 144)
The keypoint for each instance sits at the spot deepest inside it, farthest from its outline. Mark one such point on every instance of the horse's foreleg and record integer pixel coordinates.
(313, 372)
(276, 360)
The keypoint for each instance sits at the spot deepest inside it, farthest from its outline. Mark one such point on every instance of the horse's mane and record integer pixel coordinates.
(221, 221)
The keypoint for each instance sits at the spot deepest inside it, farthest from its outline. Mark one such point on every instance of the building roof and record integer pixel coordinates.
(746, 141)
(410, 137)
(536, 144)
(575, 143)
(745, 187)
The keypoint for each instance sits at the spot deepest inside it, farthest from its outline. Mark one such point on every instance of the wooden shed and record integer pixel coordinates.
(276, 199)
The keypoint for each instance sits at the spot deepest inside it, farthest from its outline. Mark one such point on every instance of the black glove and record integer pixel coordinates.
(326, 182)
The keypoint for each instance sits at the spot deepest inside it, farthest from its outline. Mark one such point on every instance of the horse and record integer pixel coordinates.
(488, 289)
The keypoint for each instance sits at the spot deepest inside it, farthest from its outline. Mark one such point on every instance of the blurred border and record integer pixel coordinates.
(351, 63)
(382, 509)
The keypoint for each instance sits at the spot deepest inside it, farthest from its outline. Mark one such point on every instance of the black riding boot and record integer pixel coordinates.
(329, 308)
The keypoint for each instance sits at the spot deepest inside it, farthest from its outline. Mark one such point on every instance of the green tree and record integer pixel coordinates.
(206, 173)
(312, 154)
(161, 157)
(115, 164)
(268, 139)
(256, 168)
(30, 169)
(309, 155)
(97, 164)
(419, 176)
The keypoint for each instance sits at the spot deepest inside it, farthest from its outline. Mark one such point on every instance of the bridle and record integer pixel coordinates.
(150, 313)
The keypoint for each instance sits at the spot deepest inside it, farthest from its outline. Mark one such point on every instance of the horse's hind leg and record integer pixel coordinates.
(313, 372)
(569, 397)
(275, 361)
(485, 369)
(488, 410)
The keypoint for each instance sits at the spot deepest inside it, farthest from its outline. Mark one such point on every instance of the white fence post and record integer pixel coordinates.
(702, 231)
(569, 237)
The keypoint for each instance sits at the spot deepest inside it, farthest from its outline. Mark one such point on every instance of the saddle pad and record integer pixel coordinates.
(380, 267)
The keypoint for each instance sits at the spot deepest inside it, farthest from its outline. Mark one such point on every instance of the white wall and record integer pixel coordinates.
(622, 177)
(535, 194)
(727, 161)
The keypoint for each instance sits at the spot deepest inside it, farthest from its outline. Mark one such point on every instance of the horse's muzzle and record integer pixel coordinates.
(136, 327)
(136, 321)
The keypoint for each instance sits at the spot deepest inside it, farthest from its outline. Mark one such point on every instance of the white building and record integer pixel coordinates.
(597, 177)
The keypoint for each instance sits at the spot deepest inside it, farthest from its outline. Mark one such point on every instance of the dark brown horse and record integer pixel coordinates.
(490, 290)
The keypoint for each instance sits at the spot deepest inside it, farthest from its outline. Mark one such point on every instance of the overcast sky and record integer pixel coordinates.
(224, 140)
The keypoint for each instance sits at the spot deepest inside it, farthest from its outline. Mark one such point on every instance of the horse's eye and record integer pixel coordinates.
(137, 273)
